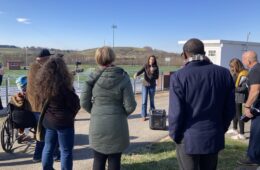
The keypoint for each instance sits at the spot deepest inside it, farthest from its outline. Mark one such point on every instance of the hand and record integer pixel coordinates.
(248, 113)
(135, 75)
(2, 71)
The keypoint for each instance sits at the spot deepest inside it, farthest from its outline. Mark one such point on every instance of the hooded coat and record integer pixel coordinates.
(108, 96)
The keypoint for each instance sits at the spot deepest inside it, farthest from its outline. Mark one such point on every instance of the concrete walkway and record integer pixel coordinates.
(140, 135)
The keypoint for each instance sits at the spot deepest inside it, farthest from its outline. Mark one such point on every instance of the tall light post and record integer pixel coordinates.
(114, 27)
(25, 56)
(247, 38)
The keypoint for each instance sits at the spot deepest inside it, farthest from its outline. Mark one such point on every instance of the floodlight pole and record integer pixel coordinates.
(247, 38)
(114, 27)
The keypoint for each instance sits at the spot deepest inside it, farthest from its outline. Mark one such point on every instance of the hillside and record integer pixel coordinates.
(125, 55)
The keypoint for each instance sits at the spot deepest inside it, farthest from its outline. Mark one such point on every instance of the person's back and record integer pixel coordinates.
(108, 113)
(207, 89)
(202, 104)
(108, 96)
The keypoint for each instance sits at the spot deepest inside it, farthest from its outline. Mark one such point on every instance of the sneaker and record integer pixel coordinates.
(56, 159)
(143, 118)
(232, 132)
(35, 160)
(246, 161)
(238, 137)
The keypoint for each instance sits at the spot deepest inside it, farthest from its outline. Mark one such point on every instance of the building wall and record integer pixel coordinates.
(230, 51)
(225, 50)
(216, 47)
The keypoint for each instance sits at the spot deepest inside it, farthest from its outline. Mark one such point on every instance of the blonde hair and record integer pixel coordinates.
(237, 65)
(105, 56)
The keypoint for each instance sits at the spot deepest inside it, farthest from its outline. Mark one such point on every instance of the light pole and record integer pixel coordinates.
(25, 56)
(247, 38)
(114, 27)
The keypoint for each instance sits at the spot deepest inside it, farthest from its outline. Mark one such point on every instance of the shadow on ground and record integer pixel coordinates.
(134, 116)
(81, 139)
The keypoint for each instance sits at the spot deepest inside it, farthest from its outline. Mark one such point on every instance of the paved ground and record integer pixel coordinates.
(140, 135)
(21, 158)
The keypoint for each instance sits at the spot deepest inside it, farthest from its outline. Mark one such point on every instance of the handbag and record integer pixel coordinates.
(40, 131)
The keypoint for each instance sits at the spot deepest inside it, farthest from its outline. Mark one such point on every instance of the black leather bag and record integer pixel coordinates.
(255, 110)
(22, 118)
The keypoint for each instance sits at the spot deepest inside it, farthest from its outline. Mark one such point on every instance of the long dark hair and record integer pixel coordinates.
(52, 78)
(147, 63)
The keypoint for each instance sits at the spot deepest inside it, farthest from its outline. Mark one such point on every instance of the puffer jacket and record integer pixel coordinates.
(108, 96)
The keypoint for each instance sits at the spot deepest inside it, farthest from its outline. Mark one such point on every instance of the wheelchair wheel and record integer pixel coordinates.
(8, 136)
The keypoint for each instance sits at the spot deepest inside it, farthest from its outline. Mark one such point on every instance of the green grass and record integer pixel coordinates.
(162, 156)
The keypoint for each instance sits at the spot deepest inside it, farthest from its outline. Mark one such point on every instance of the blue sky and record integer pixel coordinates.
(83, 24)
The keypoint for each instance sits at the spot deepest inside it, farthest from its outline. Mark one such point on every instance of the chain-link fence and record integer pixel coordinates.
(9, 88)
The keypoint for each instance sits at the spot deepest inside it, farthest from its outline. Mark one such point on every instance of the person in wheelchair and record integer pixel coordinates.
(19, 100)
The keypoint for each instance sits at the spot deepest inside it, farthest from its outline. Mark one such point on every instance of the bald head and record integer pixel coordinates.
(249, 59)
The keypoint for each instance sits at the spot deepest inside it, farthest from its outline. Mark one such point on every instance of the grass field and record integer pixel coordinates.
(162, 156)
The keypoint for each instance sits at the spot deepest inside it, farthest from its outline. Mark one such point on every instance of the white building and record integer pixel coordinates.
(220, 52)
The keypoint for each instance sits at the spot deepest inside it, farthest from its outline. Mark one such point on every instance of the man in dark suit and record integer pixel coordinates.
(201, 107)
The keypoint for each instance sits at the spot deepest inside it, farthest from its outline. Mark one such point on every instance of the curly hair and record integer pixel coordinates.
(53, 78)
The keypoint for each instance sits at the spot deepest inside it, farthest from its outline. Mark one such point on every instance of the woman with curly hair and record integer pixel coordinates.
(55, 85)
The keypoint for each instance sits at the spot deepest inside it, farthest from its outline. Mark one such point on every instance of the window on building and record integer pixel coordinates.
(212, 53)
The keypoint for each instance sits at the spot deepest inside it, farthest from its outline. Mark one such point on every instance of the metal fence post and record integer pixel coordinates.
(78, 80)
(162, 82)
(134, 85)
(6, 89)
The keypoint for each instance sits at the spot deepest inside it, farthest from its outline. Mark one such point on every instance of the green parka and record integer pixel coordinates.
(108, 96)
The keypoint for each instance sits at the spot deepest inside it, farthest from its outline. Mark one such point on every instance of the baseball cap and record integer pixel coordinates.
(44, 53)
(21, 83)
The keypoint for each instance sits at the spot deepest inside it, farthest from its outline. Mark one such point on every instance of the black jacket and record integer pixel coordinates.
(149, 78)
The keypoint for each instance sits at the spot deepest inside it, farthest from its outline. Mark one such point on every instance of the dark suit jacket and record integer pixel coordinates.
(201, 106)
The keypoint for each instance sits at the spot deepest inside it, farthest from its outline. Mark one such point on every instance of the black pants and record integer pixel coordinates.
(195, 162)
(114, 161)
(1, 105)
(237, 120)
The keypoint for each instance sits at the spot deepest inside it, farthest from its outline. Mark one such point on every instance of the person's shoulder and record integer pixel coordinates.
(257, 67)
(220, 68)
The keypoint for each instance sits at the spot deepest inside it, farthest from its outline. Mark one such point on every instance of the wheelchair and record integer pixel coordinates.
(17, 118)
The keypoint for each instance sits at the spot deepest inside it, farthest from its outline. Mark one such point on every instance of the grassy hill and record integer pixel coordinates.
(125, 55)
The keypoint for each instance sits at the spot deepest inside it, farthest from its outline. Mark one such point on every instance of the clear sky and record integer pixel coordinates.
(83, 24)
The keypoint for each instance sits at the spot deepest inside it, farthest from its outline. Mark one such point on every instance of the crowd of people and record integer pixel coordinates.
(203, 100)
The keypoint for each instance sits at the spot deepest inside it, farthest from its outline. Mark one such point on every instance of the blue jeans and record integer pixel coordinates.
(145, 91)
(65, 137)
(253, 151)
(39, 145)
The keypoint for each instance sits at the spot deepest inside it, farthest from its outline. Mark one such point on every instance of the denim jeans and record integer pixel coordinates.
(65, 137)
(145, 91)
(253, 151)
(39, 145)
